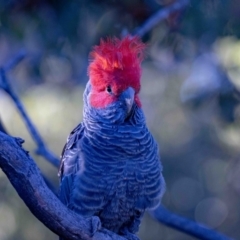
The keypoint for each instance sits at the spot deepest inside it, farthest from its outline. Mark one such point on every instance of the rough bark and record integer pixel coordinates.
(26, 178)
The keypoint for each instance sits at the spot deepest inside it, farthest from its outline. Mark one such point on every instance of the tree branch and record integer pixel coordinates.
(185, 225)
(5, 85)
(159, 16)
(25, 177)
(28, 182)
(22, 171)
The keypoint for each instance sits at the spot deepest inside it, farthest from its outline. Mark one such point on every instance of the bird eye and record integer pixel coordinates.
(109, 89)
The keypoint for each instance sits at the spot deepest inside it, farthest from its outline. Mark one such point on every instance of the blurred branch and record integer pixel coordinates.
(22, 171)
(15, 61)
(5, 85)
(159, 16)
(185, 225)
(25, 177)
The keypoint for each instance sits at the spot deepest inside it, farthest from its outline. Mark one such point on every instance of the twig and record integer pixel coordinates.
(182, 224)
(5, 85)
(26, 179)
(15, 61)
(22, 171)
(162, 14)
(28, 182)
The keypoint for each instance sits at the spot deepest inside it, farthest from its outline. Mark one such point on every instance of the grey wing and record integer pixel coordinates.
(70, 164)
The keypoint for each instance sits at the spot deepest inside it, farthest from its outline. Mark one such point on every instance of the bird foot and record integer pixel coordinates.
(95, 224)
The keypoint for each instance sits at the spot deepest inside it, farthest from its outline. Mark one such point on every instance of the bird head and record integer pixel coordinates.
(115, 71)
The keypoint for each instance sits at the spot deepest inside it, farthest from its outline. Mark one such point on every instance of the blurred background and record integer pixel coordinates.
(190, 96)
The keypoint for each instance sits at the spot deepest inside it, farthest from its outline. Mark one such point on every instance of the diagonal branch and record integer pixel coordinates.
(185, 225)
(15, 61)
(159, 16)
(22, 171)
(26, 179)
(5, 85)
(20, 168)
(28, 182)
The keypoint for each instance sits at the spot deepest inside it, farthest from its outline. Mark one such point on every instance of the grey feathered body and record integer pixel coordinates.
(111, 168)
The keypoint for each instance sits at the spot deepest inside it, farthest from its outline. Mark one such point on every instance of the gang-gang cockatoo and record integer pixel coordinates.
(110, 164)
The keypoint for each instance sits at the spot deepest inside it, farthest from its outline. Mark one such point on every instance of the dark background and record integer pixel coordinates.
(189, 94)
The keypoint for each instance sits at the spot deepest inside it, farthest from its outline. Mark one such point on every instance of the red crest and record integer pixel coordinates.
(116, 63)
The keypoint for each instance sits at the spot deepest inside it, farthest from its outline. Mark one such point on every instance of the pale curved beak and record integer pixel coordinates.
(128, 96)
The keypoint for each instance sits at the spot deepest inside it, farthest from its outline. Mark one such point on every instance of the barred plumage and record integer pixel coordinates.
(111, 167)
